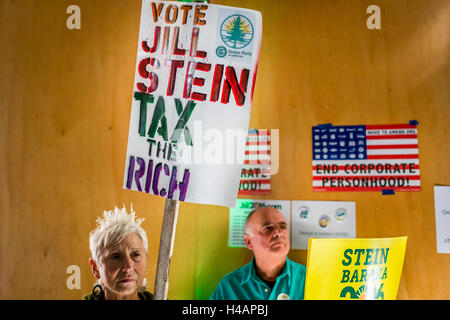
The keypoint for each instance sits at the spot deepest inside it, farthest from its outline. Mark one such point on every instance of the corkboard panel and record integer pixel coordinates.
(64, 116)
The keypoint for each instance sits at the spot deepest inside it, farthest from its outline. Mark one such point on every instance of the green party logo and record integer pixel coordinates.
(221, 51)
(304, 212)
(236, 31)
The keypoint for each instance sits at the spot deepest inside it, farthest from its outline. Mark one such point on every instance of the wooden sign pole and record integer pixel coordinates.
(166, 243)
(165, 249)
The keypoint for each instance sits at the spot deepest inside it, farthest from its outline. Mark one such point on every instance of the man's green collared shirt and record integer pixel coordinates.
(245, 284)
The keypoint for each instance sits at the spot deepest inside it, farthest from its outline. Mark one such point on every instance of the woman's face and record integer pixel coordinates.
(121, 268)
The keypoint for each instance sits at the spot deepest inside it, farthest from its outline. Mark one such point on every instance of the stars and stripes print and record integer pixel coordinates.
(255, 177)
(366, 158)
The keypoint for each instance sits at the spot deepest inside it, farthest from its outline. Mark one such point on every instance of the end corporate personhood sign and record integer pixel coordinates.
(194, 79)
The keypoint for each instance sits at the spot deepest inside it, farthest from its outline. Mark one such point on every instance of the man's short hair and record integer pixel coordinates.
(247, 229)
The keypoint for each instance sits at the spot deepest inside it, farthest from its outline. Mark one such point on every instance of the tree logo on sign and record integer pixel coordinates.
(237, 31)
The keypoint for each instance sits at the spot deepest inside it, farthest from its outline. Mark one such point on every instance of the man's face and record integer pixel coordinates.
(270, 234)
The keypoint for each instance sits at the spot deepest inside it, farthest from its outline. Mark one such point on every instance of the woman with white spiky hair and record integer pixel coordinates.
(119, 248)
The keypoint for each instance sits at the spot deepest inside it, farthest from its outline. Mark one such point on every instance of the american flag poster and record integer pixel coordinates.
(365, 158)
(255, 173)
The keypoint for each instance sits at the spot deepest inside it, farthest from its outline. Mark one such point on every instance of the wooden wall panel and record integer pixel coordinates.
(65, 99)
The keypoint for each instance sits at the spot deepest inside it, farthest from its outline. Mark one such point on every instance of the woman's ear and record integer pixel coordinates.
(94, 268)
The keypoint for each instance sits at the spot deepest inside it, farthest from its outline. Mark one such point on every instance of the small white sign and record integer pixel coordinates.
(442, 211)
(243, 207)
(321, 219)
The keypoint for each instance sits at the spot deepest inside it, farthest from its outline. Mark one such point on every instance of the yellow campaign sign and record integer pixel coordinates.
(347, 269)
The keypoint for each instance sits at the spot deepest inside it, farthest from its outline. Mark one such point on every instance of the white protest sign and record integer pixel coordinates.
(194, 79)
(322, 219)
(243, 207)
(442, 212)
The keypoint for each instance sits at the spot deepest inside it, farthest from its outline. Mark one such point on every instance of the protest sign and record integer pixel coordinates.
(365, 158)
(255, 173)
(194, 79)
(365, 269)
(321, 219)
